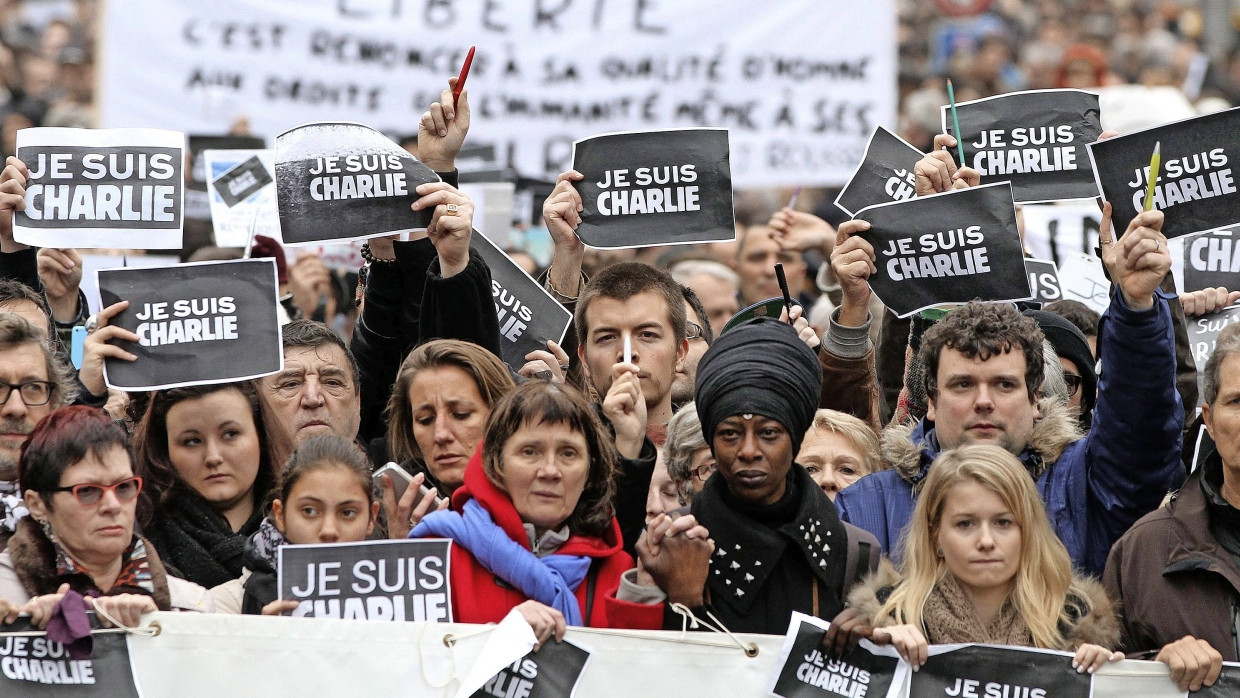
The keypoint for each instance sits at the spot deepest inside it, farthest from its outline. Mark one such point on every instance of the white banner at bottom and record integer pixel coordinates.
(214, 655)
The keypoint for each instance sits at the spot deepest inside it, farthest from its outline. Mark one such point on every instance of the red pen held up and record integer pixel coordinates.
(460, 79)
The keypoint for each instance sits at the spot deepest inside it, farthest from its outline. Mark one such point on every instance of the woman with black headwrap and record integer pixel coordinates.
(779, 545)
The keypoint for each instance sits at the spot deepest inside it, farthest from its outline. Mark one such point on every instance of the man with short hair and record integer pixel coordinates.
(700, 335)
(318, 392)
(983, 364)
(33, 382)
(1175, 575)
(756, 255)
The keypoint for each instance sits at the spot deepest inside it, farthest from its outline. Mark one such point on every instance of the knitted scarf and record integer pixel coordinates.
(197, 542)
(949, 618)
(550, 580)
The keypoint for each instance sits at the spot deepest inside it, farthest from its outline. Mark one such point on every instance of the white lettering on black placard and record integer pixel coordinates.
(551, 672)
(341, 181)
(31, 665)
(947, 248)
(1043, 280)
(806, 672)
(105, 188)
(390, 580)
(1209, 260)
(1196, 185)
(655, 188)
(528, 315)
(209, 322)
(982, 671)
(884, 174)
(1037, 140)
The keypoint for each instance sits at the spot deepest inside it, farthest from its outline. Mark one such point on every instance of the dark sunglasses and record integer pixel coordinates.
(1073, 381)
(90, 494)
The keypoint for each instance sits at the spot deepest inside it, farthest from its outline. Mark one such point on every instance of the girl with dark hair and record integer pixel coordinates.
(209, 455)
(78, 482)
(324, 496)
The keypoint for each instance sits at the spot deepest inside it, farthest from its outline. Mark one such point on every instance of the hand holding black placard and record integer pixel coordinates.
(451, 224)
(12, 198)
(852, 262)
(937, 172)
(562, 214)
(99, 344)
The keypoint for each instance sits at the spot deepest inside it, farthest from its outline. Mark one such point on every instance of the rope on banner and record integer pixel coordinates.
(688, 621)
(152, 630)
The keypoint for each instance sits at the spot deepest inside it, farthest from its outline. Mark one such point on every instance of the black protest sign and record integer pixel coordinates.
(237, 184)
(107, 188)
(528, 315)
(1211, 260)
(1195, 188)
(392, 580)
(807, 673)
(341, 181)
(1203, 332)
(551, 672)
(1043, 280)
(947, 248)
(32, 665)
(884, 174)
(655, 188)
(979, 671)
(210, 322)
(1037, 140)
(1227, 685)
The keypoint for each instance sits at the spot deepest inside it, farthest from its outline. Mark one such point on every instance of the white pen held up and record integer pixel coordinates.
(628, 349)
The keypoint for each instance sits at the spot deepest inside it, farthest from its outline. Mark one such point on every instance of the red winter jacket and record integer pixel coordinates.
(481, 597)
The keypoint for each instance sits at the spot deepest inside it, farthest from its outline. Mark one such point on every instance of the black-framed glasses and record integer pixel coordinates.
(90, 494)
(1073, 381)
(692, 330)
(33, 393)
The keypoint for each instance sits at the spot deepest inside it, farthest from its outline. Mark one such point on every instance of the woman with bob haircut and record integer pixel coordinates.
(838, 450)
(982, 564)
(77, 479)
(209, 455)
(533, 527)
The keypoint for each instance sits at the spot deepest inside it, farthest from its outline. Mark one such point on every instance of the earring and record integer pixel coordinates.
(47, 529)
(939, 553)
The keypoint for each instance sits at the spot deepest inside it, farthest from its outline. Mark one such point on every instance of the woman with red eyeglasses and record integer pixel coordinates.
(77, 480)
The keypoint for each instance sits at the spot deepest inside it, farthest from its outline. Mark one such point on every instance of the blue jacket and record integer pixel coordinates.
(1094, 487)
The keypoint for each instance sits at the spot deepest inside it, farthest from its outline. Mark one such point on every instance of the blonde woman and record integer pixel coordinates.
(982, 564)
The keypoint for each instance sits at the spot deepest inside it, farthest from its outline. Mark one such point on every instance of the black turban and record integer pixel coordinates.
(761, 367)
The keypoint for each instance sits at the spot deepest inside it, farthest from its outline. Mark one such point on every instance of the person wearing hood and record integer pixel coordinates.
(1077, 360)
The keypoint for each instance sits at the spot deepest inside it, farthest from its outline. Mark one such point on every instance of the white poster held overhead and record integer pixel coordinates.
(800, 84)
(101, 188)
(251, 204)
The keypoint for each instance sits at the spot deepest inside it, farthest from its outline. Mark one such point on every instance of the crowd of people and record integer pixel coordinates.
(988, 473)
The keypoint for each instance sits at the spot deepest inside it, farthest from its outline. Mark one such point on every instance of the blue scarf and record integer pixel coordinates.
(549, 580)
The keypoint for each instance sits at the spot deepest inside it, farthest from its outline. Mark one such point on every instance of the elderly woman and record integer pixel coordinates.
(533, 527)
(78, 482)
(688, 457)
(838, 450)
(781, 546)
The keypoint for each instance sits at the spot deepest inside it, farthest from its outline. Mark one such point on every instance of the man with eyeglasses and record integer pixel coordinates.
(32, 384)
(699, 333)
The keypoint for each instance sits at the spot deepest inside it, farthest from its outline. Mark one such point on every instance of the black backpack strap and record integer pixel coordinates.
(857, 563)
(591, 580)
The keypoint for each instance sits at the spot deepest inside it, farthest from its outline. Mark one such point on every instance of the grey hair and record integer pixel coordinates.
(682, 271)
(1228, 343)
(1053, 383)
(684, 438)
